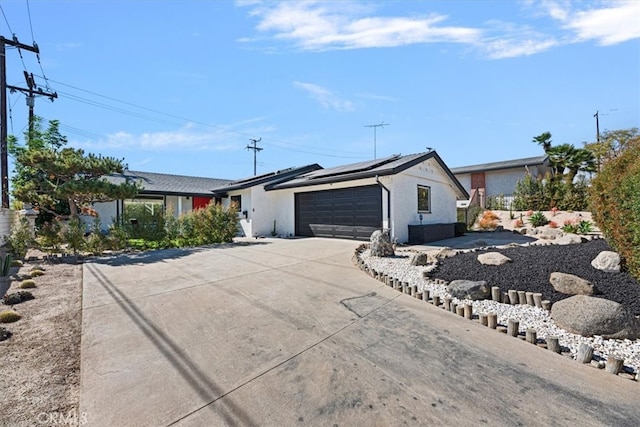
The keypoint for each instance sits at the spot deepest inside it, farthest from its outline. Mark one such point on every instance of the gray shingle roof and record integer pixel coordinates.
(161, 183)
(507, 164)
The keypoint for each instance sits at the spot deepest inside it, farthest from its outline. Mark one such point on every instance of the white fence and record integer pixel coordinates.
(7, 218)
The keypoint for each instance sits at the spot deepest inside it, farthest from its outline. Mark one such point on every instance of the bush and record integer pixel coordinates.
(49, 236)
(488, 221)
(545, 194)
(73, 234)
(20, 240)
(9, 316)
(96, 242)
(615, 203)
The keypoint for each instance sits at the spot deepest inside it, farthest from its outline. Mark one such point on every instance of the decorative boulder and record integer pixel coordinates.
(381, 245)
(550, 233)
(570, 284)
(419, 259)
(469, 289)
(588, 316)
(608, 261)
(493, 258)
(568, 239)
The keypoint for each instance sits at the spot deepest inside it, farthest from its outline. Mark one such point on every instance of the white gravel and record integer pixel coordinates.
(527, 316)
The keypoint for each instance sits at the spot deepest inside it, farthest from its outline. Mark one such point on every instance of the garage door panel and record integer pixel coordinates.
(352, 213)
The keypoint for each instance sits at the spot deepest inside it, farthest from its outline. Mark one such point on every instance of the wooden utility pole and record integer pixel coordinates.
(31, 91)
(255, 149)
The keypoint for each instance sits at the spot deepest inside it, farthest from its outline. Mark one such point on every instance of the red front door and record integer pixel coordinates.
(200, 202)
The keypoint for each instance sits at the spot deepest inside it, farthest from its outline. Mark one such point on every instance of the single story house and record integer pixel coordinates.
(350, 201)
(495, 179)
(177, 192)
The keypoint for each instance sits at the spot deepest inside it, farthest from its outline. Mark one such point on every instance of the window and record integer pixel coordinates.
(424, 199)
(238, 202)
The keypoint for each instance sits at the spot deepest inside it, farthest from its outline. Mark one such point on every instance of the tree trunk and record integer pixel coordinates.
(73, 208)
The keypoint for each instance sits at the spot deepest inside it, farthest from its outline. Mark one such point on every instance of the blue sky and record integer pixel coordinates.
(182, 86)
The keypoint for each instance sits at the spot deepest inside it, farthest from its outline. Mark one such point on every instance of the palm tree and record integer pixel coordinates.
(559, 158)
(543, 140)
(580, 160)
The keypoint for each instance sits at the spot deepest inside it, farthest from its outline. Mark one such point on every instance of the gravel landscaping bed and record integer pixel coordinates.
(532, 265)
(40, 370)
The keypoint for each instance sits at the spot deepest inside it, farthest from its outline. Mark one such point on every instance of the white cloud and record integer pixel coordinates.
(325, 97)
(609, 25)
(172, 141)
(320, 26)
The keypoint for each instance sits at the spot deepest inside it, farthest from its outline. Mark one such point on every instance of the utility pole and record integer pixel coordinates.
(255, 149)
(375, 127)
(597, 116)
(31, 91)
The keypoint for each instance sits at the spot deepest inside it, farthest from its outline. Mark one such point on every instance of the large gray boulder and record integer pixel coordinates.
(469, 289)
(493, 258)
(570, 284)
(381, 245)
(607, 261)
(588, 316)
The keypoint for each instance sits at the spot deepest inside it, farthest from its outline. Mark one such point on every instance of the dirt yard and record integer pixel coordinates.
(40, 372)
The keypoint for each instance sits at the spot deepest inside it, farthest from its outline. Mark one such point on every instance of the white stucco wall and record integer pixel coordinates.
(246, 224)
(404, 198)
(107, 212)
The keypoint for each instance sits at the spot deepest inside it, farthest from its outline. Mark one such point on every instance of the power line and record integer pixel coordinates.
(276, 142)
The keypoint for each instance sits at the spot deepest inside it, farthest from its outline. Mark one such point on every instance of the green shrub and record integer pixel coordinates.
(96, 242)
(27, 284)
(9, 316)
(17, 297)
(118, 237)
(49, 236)
(615, 203)
(150, 220)
(544, 194)
(36, 272)
(20, 240)
(538, 219)
(73, 234)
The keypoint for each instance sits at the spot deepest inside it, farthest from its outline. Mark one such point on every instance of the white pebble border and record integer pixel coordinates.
(528, 316)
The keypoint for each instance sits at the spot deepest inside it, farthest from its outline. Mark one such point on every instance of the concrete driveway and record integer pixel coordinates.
(288, 332)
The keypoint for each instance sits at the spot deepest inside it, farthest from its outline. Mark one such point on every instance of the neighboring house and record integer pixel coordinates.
(180, 193)
(350, 201)
(497, 179)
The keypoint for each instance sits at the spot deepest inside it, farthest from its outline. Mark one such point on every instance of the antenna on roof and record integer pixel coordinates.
(255, 149)
(375, 127)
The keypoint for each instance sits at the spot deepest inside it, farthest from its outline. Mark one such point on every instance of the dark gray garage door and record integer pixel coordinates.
(349, 213)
